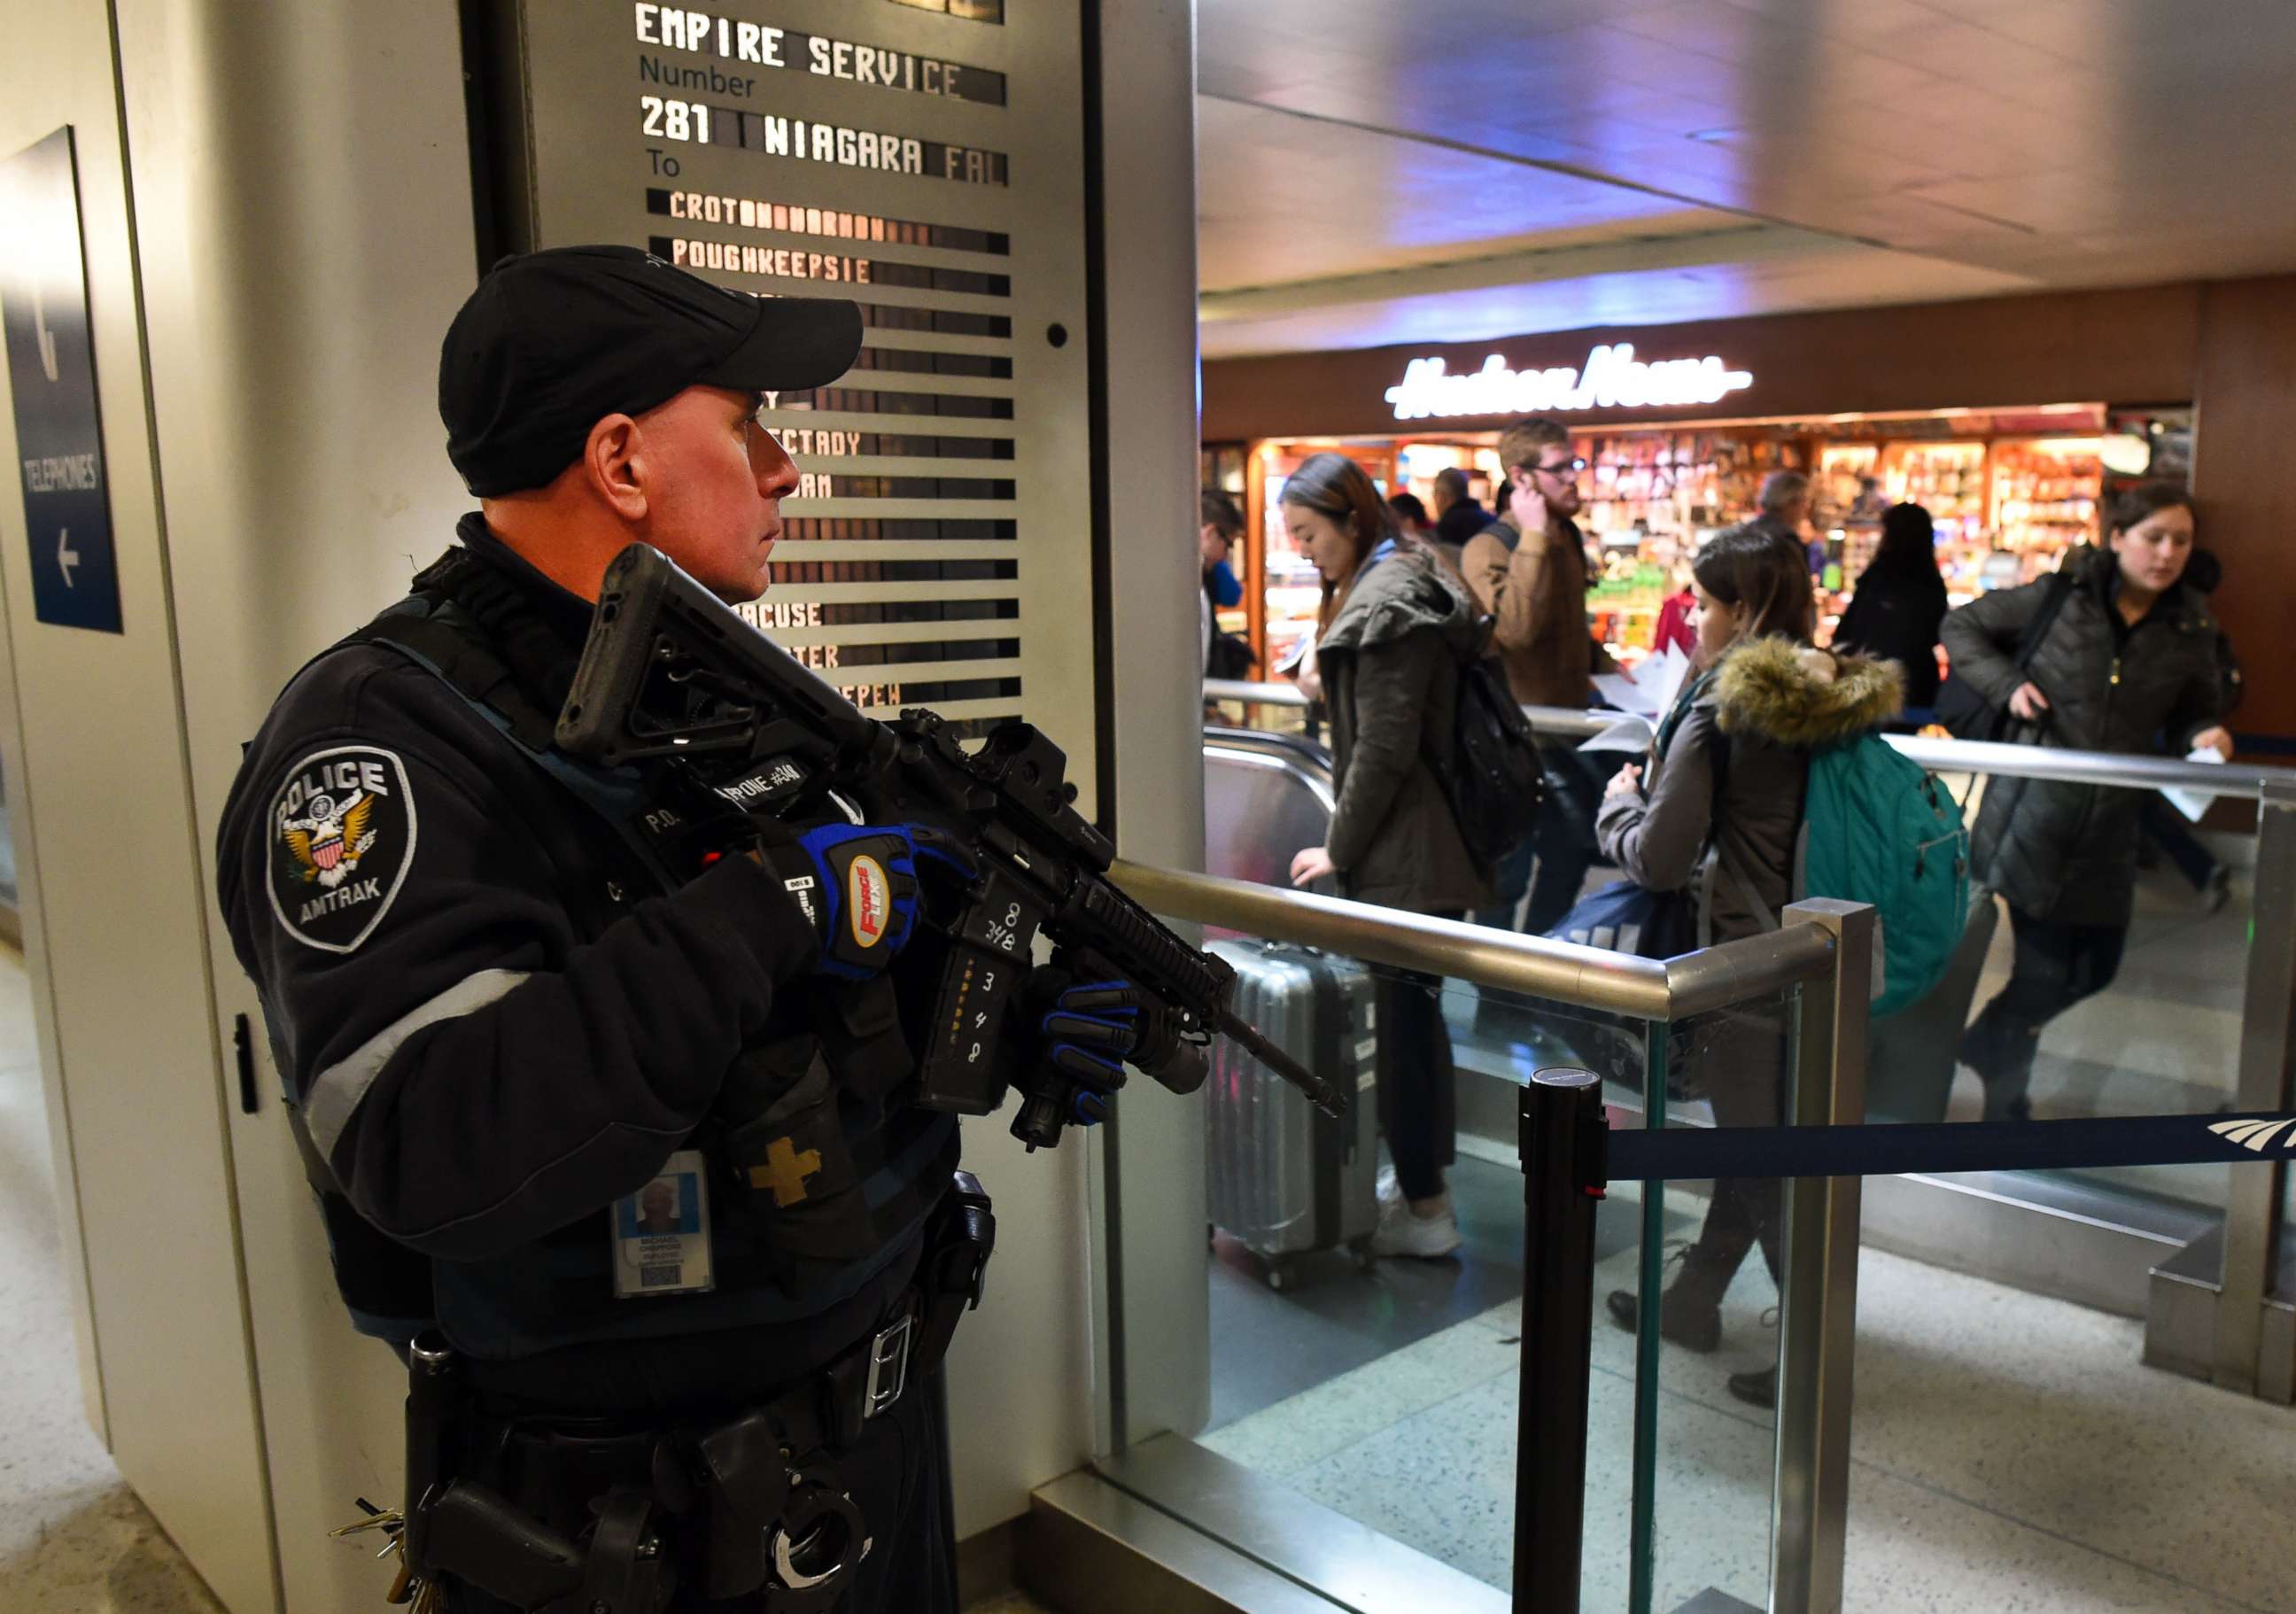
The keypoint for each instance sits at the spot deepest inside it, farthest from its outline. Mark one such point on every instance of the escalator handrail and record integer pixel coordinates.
(1590, 978)
(2247, 781)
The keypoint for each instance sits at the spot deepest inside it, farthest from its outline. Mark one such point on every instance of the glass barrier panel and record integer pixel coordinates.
(2282, 1281)
(2057, 1020)
(1706, 1247)
(1505, 1038)
(1387, 1387)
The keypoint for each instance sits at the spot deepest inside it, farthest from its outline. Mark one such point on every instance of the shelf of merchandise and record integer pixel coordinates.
(1676, 484)
(2045, 494)
(1623, 606)
(1948, 480)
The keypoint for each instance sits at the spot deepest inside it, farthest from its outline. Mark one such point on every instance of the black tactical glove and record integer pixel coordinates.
(1089, 1029)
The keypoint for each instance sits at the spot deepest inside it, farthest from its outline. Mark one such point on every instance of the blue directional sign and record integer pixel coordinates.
(51, 375)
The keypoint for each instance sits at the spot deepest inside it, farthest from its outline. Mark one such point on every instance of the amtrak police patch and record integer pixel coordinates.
(342, 837)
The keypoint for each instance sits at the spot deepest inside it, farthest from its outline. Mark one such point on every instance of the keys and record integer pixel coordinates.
(388, 1519)
(418, 1596)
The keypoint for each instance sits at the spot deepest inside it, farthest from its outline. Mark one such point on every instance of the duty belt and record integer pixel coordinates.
(763, 1494)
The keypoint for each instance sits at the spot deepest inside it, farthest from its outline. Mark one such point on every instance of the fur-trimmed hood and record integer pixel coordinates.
(1804, 698)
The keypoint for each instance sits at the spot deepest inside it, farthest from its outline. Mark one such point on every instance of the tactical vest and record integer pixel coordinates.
(817, 1087)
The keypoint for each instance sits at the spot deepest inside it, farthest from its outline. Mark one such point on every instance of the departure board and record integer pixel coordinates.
(923, 158)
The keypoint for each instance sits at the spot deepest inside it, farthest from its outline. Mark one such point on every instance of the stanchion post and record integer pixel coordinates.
(2267, 1027)
(1817, 1291)
(1563, 1148)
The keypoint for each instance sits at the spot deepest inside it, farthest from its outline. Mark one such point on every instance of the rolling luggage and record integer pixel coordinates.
(1286, 1179)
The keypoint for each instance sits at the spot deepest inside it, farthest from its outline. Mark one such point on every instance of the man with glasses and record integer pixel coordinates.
(1527, 568)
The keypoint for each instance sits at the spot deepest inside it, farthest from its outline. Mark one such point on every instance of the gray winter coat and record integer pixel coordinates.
(2062, 852)
(1390, 667)
(1734, 772)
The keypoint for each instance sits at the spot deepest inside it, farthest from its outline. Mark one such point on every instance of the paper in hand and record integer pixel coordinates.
(1650, 690)
(2193, 803)
(1630, 735)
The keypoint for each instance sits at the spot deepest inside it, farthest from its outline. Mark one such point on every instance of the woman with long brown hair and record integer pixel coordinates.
(1395, 626)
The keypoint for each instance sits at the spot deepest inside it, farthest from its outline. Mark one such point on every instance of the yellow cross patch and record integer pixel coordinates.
(786, 1171)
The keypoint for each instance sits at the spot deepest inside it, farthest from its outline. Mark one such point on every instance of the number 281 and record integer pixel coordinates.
(676, 119)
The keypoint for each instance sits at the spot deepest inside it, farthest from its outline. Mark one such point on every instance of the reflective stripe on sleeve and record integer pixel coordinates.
(335, 1091)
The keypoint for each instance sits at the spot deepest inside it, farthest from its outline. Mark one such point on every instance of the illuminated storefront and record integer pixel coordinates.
(1678, 426)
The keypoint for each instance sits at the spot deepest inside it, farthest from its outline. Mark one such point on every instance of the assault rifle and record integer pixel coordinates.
(670, 672)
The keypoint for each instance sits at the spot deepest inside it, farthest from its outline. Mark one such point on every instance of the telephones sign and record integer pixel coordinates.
(51, 375)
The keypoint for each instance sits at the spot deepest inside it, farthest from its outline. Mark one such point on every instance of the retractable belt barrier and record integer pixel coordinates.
(1569, 1152)
(1892, 1149)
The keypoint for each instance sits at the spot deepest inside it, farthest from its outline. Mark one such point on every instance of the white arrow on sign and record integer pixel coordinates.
(67, 557)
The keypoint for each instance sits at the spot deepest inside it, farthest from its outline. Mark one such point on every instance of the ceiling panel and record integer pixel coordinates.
(2019, 142)
(1849, 276)
(1295, 199)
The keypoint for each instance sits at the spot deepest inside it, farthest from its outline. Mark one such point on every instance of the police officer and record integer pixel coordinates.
(597, 1074)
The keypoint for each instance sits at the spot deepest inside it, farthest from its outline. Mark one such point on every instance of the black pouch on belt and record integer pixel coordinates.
(749, 1474)
(954, 1271)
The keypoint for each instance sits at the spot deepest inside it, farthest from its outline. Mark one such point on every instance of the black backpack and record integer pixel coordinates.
(1493, 782)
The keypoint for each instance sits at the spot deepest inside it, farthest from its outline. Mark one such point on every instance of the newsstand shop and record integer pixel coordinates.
(2013, 419)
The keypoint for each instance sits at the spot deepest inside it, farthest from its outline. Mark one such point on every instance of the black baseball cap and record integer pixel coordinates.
(554, 341)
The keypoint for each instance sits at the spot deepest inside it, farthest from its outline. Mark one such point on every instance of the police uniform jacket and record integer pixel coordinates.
(490, 1028)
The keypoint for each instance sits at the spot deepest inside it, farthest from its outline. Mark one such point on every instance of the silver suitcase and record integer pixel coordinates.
(1286, 1179)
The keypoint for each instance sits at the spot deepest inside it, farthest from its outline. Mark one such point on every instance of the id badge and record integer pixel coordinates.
(661, 1232)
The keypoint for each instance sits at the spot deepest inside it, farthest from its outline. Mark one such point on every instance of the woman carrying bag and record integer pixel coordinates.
(1728, 773)
(2129, 660)
(1395, 626)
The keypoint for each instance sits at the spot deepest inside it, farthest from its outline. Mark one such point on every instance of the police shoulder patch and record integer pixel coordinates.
(341, 839)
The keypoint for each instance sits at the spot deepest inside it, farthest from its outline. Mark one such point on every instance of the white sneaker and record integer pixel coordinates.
(1390, 1190)
(1422, 1238)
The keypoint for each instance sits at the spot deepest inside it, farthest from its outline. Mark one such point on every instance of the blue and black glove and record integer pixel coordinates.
(857, 883)
(1089, 1029)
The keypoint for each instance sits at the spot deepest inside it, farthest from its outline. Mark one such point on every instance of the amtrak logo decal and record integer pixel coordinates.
(2258, 1135)
(342, 837)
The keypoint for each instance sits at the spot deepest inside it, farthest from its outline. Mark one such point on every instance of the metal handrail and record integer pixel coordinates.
(1589, 978)
(2245, 780)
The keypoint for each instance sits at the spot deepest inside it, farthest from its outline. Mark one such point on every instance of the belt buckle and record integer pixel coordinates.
(888, 1366)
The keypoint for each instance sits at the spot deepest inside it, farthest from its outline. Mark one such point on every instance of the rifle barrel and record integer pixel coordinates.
(1326, 1096)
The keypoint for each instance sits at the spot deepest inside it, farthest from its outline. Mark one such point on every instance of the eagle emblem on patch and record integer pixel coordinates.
(342, 837)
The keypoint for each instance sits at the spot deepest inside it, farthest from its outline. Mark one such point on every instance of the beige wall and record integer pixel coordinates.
(303, 201)
(115, 928)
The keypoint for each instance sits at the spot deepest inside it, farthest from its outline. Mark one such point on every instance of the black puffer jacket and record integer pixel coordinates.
(2062, 852)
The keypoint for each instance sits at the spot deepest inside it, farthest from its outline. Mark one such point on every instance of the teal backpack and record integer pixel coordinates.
(1878, 829)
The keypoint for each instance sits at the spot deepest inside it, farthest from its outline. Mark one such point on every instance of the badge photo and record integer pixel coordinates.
(343, 838)
(661, 1232)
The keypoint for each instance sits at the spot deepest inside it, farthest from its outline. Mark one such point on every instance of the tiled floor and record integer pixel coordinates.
(2011, 1453)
